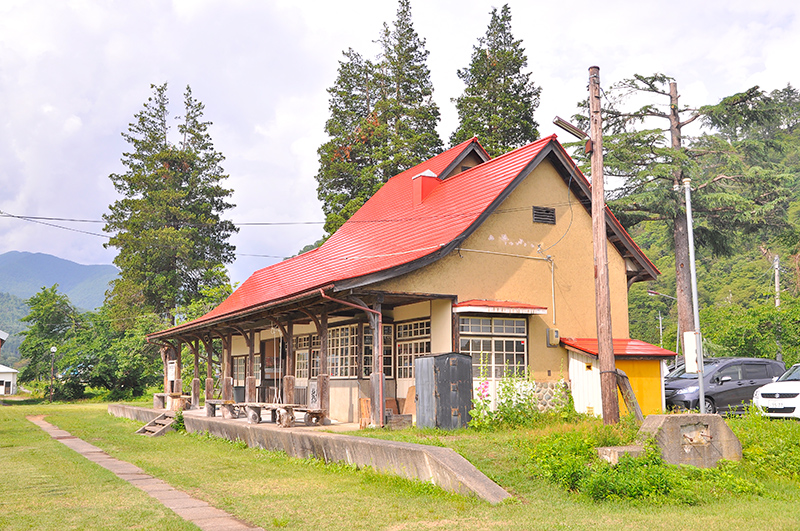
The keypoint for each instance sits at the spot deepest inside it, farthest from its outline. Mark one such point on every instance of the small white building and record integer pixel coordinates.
(8, 376)
(8, 380)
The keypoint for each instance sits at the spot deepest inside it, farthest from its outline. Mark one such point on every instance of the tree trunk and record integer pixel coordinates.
(683, 280)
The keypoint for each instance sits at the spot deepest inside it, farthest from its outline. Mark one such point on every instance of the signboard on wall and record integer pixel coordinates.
(690, 342)
(171, 370)
(313, 396)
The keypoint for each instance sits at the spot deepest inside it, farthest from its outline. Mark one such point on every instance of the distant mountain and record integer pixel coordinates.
(23, 274)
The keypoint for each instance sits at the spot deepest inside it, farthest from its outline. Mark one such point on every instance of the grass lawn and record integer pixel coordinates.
(47, 486)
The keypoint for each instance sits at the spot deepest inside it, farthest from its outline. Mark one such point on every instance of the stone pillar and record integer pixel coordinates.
(377, 381)
(323, 385)
(250, 389)
(209, 388)
(227, 388)
(178, 386)
(228, 410)
(195, 393)
(288, 389)
(159, 401)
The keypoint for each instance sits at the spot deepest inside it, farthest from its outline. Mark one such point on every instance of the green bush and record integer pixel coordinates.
(770, 445)
(179, 424)
(570, 460)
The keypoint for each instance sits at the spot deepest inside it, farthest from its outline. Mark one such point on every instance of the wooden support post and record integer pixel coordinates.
(195, 346)
(605, 345)
(377, 378)
(209, 346)
(165, 360)
(290, 359)
(178, 369)
(250, 380)
(195, 394)
(324, 375)
(227, 380)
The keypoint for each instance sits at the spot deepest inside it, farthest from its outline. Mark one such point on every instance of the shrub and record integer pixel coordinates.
(571, 461)
(179, 424)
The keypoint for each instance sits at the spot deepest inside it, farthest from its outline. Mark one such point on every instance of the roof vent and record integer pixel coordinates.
(544, 215)
(422, 185)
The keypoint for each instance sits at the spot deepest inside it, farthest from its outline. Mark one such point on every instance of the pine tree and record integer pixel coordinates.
(349, 162)
(737, 188)
(167, 227)
(499, 100)
(382, 120)
(406, 105)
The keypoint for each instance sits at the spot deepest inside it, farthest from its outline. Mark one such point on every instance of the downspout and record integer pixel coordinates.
(377, 349)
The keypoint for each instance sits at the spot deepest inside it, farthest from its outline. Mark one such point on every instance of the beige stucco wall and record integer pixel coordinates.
(518, 269)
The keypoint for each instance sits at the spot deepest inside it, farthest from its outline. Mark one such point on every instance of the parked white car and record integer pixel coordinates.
(782, 397)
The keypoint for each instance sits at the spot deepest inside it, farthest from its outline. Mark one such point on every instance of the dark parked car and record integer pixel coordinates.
(729, 383)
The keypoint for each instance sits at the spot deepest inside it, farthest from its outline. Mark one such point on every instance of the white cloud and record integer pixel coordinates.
(74, 73)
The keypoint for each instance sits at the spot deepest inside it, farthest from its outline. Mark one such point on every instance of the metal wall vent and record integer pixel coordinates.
(544, 215)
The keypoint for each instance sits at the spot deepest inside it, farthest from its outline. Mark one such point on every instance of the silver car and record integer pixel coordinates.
(782, 397)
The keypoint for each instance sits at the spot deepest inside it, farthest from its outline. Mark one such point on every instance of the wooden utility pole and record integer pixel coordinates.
(605, 345)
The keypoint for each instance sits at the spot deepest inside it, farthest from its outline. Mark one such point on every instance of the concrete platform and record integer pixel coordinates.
(437, 465)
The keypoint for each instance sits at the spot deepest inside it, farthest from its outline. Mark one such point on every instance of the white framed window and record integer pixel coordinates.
(388, 351)
(407, 352)
(475, 325)
(301, 364)
(315, 346)
(413, 339)
(343, 351)
(239, 370)
(500, 352)
(413, 329)
(301, 356)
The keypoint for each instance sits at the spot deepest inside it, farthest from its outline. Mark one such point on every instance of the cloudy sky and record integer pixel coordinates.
(73, 73)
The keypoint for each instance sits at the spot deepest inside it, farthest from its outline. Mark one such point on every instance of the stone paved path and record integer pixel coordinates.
(191, 509)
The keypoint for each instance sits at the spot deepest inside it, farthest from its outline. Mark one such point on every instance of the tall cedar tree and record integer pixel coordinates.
(168, 226)
(736, 187)
(499, 100)
(382, 120)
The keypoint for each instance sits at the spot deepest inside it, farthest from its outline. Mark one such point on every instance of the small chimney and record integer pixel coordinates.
(422, 185)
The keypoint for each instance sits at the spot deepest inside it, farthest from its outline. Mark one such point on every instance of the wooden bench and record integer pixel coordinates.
(211, 406)
(282, 414)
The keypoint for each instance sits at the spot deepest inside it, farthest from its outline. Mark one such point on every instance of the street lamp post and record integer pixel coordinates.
(687, 183)
(53, 351)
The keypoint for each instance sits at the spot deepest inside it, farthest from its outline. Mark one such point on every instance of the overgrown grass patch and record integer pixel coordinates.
(275, 491)
(563, 453)
(46, 485)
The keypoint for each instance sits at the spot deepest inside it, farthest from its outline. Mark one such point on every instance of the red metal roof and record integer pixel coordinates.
(389, 230)
(623, 348)
(498, 306)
